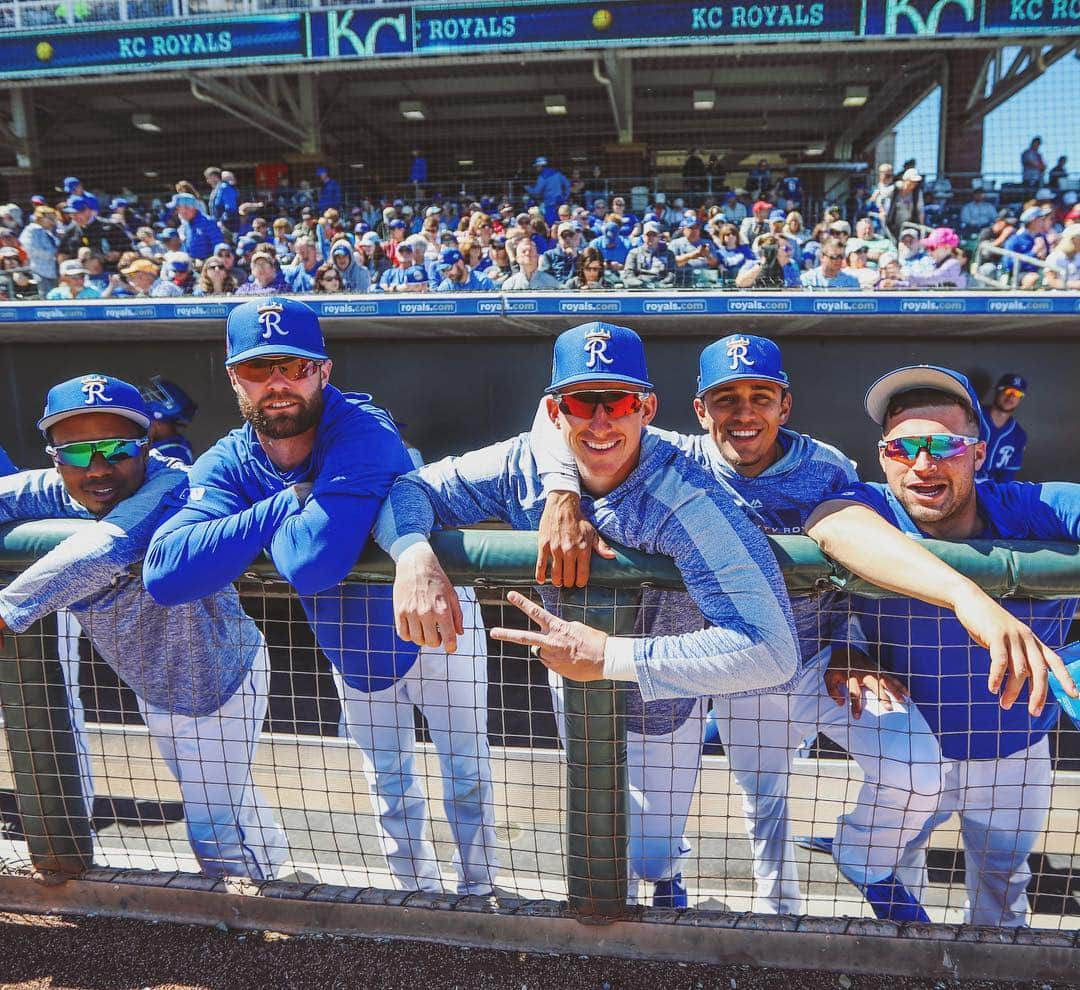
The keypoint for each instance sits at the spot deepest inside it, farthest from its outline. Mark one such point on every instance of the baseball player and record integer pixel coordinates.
(171, 410)
(1004, 436)
(304, 479)
(643, 493)
(199, 671)
(996, 766)
(777, 477)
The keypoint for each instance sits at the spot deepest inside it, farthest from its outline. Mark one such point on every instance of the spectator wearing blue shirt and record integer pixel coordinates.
(561, 260)
(456, 276)
(198, 233)
(330, 194)
(551, 188)
(1030, 240)
(730, 252)
(300, 275)
(418, 169)
(830, 274)
(222, 204)
(789, 189)
(612, 245)
(393, 278)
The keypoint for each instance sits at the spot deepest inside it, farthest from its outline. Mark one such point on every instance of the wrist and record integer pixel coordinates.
(410, 546)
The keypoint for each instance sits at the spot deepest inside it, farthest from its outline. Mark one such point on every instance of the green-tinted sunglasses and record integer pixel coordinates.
(937, 445)
(80, 454)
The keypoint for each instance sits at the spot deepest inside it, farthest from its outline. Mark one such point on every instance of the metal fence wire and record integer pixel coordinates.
(478, 774)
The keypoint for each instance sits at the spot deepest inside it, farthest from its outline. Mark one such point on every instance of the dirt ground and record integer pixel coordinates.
(63, 953)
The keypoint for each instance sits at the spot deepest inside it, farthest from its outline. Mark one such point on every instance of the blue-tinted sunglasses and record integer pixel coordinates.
(81, 453)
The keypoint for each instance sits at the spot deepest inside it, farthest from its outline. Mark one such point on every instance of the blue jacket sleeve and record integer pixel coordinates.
(315, 548)
(213, 536)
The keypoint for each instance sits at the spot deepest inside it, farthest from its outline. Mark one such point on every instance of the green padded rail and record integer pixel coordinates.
(501, 557)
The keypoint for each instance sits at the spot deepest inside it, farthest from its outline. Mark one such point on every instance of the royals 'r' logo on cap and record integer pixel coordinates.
(270, 317)
(596, 342)
(94, 387)
(737, 352)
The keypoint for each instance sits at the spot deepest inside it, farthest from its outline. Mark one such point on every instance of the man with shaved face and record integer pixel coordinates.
(996, 770)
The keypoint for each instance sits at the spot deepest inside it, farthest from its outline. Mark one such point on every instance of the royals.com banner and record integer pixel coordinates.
(345, 33)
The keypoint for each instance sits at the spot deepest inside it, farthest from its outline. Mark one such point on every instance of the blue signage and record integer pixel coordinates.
(376, 31)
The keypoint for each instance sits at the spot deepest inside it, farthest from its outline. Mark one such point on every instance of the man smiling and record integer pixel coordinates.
(642, 492)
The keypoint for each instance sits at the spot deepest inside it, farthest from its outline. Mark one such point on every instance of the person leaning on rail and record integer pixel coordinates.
(996, 769)
(778, 477)
(303, 479)
(200, 671)
(643, 493)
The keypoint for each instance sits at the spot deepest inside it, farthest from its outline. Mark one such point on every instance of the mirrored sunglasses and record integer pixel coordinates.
(583, 405)
(81, 453)
(937, 445)
(262, 369)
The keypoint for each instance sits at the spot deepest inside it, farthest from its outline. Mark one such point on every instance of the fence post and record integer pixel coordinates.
(48, 785)
(596, 785)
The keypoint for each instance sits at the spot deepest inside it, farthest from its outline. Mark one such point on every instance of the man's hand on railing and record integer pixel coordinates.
(426, 607)
(1016, 653)
(850, 671)
(571, 649)
(566, 542)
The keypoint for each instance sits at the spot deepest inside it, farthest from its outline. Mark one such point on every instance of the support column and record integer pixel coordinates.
(961, 131)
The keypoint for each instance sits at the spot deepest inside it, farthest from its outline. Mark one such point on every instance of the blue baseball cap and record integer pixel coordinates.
(272, 326)
(611, 227)
(93, 393)
(341, 248)
(71, 183)
(396, 224)
(599, 352)
(246, 244)
(777, 215)
(169, 233)
(223, 246)
(449, 258)
(79, 203)
(321, 170)
(417, 273)
(740, 355)
(1012, 381)
(182, 199)
(880, 394)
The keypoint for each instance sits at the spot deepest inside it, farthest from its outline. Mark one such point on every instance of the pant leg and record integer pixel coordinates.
(903, 784)
(451, 691)
(67, 650)
(381, 725)
(760, 734)
(1004, 805)
(662, 774)
(231, 828)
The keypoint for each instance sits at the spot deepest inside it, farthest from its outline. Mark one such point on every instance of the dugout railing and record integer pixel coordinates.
(581, 794)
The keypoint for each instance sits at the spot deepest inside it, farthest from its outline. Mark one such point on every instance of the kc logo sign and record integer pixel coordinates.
(359, 33)
(922, 18)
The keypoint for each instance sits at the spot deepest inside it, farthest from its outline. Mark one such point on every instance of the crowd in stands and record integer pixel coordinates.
(212, 241)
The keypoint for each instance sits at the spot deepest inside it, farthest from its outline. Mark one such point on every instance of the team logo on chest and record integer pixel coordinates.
(736, 351)
(94, 387)
(270, 318)
(596, 342)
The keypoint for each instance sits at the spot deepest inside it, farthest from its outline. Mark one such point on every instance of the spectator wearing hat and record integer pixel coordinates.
(612, 245)
(652, 264)
(198, 233)
(830, 273)
(501, 267)
(396, 232)
(1032, 165)
(169, 240)
(1063, 263)
(16, 281)
(370, 254)
(772, 267)
(134, 280)
(756, 224)
(551, 188)
(330, 193)
(909, 247)
(266, 277)
(73, 186)
(857, 263)
(626, 220)
(394, 277)
(1030, 240)
(906, 204)
(41, 242)
(72, 283)
(456, 277)
(876, 244)
(692, 252)
(1005, 438)
(416, 280)
(354, 275)
(890, 275)
(528, 277)
(87, 229)
(977, 213)
(177, 276)
(561, 260)
(215, 279)
(942, 266)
